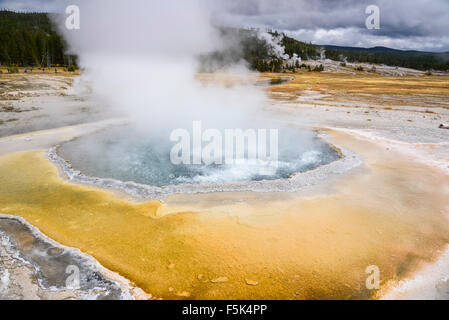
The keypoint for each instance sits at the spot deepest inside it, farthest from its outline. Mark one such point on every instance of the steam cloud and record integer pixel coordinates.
(277, 49)
(141, 58)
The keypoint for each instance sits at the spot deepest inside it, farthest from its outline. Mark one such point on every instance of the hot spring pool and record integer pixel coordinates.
(124, 154)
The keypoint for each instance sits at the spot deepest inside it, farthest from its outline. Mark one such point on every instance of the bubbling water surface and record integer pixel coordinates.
(125, 154)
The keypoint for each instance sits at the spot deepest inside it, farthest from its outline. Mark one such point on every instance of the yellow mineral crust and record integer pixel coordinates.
(389, 213)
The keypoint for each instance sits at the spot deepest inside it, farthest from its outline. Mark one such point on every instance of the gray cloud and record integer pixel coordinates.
(411, 24)
(411, 17)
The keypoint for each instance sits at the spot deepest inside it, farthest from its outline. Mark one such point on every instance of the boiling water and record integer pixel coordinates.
(124, 154)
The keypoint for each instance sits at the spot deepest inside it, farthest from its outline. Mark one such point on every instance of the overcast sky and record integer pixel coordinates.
(404, 24)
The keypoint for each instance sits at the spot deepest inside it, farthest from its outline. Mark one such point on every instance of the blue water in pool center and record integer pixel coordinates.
(124, 154)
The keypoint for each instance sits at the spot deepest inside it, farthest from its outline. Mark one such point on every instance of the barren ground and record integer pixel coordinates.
(391, 212)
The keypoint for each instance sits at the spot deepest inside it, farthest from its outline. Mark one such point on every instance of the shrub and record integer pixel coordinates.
(319, 68)
(71, 68)
(13, 70)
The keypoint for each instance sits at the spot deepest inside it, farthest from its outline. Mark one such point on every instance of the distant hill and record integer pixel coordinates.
(403, 58)
(254, 50)
(29, 39)
(245, 44)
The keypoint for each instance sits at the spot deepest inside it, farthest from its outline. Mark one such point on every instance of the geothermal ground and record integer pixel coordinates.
(316, 242)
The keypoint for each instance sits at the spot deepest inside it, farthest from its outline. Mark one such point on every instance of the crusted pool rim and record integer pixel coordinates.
(104, 279)
(347, 161)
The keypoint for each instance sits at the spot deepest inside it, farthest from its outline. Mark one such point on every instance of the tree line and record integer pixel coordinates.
(379, 55)
(245, 44)
(29, 39)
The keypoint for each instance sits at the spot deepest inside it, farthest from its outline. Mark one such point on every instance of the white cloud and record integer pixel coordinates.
(359, 38)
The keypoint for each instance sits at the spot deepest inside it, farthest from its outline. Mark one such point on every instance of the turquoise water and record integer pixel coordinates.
(125, 154)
